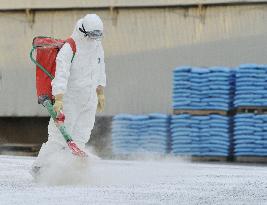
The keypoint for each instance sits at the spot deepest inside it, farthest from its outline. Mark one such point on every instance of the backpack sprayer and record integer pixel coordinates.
(47, 49)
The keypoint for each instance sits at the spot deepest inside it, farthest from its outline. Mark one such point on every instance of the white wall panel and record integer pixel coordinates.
(142, 46)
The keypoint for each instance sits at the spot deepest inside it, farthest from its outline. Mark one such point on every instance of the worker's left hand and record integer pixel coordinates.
(101, 98)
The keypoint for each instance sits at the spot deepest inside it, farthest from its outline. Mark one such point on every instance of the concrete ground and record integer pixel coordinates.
(169, 181)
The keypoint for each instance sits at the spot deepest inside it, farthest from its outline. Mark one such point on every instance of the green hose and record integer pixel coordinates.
(48, 105)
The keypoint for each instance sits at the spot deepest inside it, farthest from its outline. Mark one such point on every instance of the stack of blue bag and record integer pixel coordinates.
(157, 137)
(250, 135)
(250, 130)
(126, 132)
(203, 88)
(200, 135)
(251, 85)
(140, 133)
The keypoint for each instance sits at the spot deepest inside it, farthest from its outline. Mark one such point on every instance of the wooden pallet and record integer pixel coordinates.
(204, 112)
(251, 159)
(252, 109)
(20, 149)
(209, 159)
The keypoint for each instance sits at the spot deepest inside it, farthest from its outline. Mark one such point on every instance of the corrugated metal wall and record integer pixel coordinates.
(142, 46)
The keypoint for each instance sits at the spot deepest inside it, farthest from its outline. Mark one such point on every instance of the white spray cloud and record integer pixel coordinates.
(66, 169)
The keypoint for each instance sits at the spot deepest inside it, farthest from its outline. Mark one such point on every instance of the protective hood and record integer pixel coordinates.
(89, 24)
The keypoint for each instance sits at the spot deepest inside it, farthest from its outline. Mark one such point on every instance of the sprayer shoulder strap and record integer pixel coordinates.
(72, 45)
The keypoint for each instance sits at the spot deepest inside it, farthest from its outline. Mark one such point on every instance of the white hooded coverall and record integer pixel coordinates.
(78, 82)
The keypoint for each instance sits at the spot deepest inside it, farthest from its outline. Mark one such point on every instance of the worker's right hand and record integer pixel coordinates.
(58, 105)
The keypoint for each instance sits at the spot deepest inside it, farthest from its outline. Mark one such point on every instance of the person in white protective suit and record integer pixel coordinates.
(78, 87)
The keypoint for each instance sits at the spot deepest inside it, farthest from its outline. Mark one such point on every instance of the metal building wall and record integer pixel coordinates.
(142, 46)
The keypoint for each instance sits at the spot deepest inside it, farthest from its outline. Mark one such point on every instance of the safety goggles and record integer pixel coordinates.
(95, 34)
